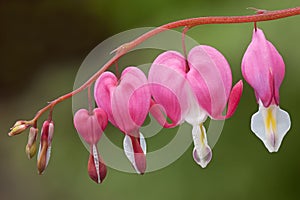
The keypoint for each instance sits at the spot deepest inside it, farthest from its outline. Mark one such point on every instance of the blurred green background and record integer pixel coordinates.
(42, 45)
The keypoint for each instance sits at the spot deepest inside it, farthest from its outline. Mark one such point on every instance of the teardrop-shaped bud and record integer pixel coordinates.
(45, 146)
(18, 127)
(31, 144)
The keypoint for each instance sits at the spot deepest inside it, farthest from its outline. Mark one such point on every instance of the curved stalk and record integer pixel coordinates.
(188, 23)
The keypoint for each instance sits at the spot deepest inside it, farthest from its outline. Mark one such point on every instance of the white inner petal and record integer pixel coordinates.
(143, 143)
(128, 149)
(195, 115)
(202, 152)
(270, 125)
(96, 162)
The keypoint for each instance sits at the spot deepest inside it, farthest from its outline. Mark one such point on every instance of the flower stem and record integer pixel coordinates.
(123, 49)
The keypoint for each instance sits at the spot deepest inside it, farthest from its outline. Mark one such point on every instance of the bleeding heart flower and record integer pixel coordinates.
(126, 102)
(90, 126)
(263, 68)
(192, 89)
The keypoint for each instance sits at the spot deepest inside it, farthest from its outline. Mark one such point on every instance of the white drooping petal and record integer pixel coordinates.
(270, 125)
(143, 143)
(196, 117)
(202, 152)
(96, 161)
(129, 151)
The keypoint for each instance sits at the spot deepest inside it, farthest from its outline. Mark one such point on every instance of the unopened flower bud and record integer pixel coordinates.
(18, 128)
(45, 146)
(31, 144)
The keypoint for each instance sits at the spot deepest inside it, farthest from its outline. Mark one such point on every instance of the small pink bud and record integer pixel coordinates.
(18, 128)
(45, 146)
(31, 144)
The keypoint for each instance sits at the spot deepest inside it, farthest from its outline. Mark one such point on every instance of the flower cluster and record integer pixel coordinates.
(31, 146)
(191, 89)
(178, 89)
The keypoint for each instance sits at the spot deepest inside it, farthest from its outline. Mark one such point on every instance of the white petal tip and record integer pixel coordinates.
(203, 158)
(271, 149)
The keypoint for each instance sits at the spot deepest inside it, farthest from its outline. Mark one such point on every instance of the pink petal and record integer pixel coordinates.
(278, 70)
(90, 126)
(260, 62)
(126, 101)
(169, 88)
(131, 100)
(158, 112)
(139, 101)
(104, 87)
(210, 77)
(101, 117)
(234, 98)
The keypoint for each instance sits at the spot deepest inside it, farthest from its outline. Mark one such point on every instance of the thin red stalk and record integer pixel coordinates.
(185, 30)
(123, 49)
(90, 101)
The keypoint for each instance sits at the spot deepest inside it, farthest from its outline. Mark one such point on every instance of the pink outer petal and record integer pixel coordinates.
(234, 98)
(263, 68)
(210, 78)
(140, 97)
(127, 102)
(278, 70)
(101, 117)
(104, 87)
(158, 112)
(169, 87)
(90, 126)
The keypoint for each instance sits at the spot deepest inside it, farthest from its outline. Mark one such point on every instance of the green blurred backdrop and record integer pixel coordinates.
(42, 45)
